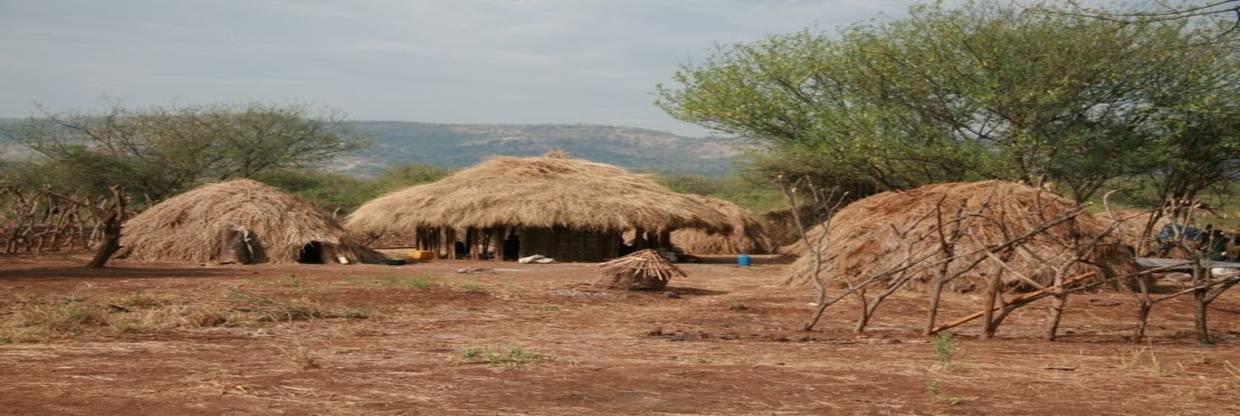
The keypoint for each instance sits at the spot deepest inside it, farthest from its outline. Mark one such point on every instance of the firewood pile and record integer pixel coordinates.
(43, 221)
(642, 270)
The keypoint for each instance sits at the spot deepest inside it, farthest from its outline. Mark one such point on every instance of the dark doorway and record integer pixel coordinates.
(236, 247)
(512, 247)
(312, 253)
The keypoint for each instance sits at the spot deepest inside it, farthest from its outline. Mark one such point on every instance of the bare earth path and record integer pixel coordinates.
(728, 345)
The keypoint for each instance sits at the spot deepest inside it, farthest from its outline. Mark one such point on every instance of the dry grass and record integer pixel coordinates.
(302, 355)
(189, 226)
(410, 282)
(862, 242)
(513, 356)
(39, 319)
(537, 192)
(1143, 359)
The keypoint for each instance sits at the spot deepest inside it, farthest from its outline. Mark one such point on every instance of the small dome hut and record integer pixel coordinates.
(747, 235)
(238, 221)
(861, 241)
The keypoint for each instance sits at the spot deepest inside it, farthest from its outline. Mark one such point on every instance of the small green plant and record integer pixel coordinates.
(548, 308)
(472, 287)
(472, 353)
(503, 357)
(944, 348)
(5, 340)
(414, 282)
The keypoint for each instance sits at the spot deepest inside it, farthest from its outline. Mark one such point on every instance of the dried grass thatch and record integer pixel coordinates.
(537, 192)
(642, 270)
(747, 236)
(861, 242)
(189, 226)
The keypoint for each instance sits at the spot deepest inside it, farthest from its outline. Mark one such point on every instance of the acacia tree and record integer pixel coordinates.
(1225, 11)
(158, 152)
(980, 91)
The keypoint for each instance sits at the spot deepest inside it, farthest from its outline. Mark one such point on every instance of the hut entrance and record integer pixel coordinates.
(512, 247)
(311, 253)
(236, 247)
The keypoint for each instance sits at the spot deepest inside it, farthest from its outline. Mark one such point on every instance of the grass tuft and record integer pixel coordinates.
(412, 282)
(503, 357)
(302, 356)
(292, 280)
(41, 319)
(944, 348)
(1137, 359)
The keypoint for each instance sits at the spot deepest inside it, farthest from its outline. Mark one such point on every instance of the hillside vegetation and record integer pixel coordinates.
(460, 145)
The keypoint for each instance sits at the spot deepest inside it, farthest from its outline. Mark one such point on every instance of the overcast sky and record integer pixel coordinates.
(519, 61)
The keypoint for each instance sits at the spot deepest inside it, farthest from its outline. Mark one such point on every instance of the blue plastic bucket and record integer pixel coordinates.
(743, 260)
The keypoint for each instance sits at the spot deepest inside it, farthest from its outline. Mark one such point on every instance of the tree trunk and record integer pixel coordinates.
(1201, 303)
(1143, 320)
(111, 243)
(1144, 304)
(992, 296)
(864, 319)
(936, 294)
(1054, 313)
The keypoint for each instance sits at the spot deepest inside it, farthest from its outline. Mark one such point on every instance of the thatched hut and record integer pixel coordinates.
(239, 221)
(748, 236)
(861, 241)
(509, 207)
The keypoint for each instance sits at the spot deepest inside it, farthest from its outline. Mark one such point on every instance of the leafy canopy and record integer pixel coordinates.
(977, 91)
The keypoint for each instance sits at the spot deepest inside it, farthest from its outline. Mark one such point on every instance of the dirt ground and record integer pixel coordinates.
(536, 339)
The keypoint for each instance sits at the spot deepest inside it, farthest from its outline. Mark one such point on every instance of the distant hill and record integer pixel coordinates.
(460, 145)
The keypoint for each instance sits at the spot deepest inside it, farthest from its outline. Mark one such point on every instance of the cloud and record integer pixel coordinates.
(524, 61)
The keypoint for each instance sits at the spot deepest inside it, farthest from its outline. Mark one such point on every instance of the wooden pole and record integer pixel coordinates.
(1017, 301)
(497, 244)
(1200, 304)
(471, 240)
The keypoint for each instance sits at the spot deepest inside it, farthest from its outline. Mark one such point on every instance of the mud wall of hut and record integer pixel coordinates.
(570, 245)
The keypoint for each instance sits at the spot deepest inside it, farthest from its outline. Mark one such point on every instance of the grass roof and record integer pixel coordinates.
(188, 227)
(538, 192)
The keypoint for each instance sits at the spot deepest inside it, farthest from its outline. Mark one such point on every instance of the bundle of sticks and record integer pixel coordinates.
(642, 270)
